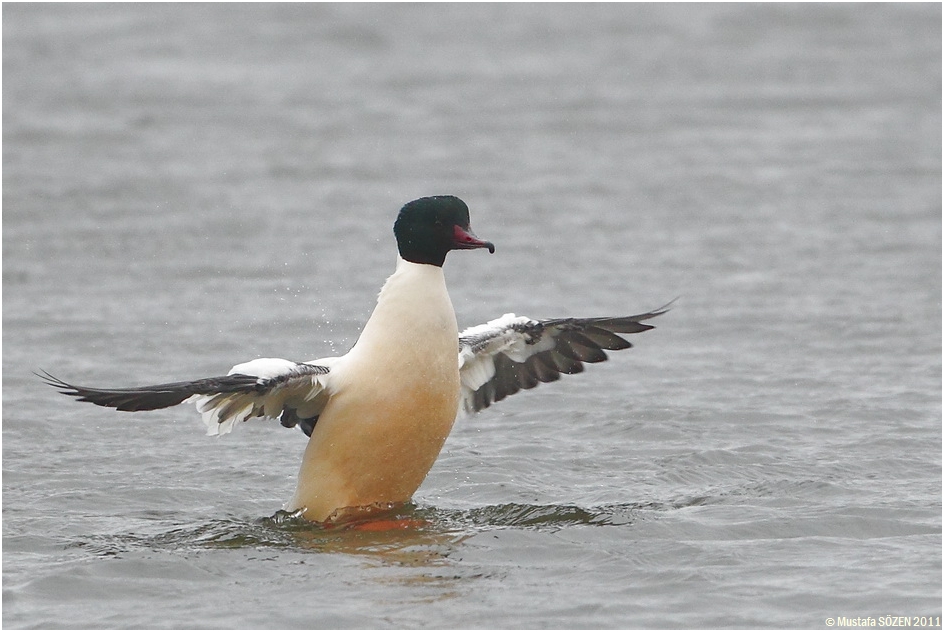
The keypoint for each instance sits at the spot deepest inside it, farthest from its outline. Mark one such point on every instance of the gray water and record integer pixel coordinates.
(188, 187)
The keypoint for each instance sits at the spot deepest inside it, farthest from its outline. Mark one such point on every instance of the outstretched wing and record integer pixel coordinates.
(511, 353)
(293, 392)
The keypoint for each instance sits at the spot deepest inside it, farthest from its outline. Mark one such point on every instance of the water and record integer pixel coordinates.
(187, 187)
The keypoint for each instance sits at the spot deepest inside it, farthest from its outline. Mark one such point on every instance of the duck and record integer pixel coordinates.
(377, 417)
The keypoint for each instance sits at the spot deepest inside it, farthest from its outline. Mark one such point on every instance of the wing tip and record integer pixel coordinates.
(660, 310)
(61, 385)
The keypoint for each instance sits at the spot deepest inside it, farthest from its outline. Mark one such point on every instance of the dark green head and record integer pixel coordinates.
(428, 228)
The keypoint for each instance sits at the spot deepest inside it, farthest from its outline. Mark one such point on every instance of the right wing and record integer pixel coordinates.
(511, 353)
(295, 393)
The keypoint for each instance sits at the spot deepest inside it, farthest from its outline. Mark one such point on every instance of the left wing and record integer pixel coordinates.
(292, 392)
(511, 353)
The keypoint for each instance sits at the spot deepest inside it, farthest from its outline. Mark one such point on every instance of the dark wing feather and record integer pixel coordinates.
(156, 396)
(292, 392)
(515, 352)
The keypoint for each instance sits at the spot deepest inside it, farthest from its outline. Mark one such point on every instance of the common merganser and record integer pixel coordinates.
(378, 416)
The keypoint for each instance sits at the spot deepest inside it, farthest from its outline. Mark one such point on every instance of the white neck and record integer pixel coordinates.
(413, 308)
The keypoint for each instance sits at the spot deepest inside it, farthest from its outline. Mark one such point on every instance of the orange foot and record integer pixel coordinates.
(398, 524)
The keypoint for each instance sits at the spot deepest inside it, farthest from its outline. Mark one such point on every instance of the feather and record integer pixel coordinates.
(513, 353)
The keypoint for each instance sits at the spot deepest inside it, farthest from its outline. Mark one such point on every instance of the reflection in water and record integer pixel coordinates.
(404, 535)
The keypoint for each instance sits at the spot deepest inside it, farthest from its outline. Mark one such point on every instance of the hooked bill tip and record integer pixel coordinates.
(465, 239)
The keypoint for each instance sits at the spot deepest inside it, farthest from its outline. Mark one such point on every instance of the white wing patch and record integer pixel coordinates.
(511, 353)
(281, 385)
(484, 342)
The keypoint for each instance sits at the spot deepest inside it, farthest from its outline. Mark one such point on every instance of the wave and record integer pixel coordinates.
(390, 528)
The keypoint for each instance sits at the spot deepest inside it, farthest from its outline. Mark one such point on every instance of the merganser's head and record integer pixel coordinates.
(428, 228)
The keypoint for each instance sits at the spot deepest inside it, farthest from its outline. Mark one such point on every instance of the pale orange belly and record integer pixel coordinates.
(371, 447)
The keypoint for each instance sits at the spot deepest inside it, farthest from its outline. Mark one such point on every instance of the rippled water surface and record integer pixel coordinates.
(187, 187)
